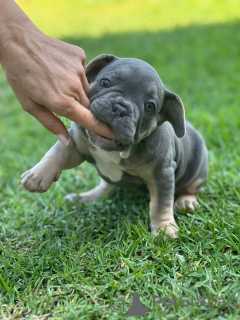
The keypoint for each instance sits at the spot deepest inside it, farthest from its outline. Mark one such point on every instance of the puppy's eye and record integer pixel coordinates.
(149, 107)
(105, 83)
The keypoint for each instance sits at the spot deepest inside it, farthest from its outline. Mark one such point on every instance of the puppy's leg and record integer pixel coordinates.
(48, 170)
(93, 194)
(161, 204)
(188, 196)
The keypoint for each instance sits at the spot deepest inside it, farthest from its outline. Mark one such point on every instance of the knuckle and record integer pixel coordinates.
(81, 57)
(59, 103)
(27, 108)
(85, 102)
(66, 110)
(82, 54)
(81, 69)
(94, 122)
(56, 101)
(75, 84)
(48, 125)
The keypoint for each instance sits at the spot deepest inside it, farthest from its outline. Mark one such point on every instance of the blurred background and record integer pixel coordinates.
(193, 44)
(95, 18)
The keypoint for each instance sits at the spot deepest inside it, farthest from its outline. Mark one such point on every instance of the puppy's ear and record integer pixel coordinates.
(173, 112)
(97, 65)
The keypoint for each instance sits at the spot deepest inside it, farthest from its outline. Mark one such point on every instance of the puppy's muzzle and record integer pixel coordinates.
(119, 114)
(121, 110)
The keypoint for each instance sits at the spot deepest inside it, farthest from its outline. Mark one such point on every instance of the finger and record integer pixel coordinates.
(81, 72)
(83, 99)
(86, 119)
(85, 83)
(49, 121)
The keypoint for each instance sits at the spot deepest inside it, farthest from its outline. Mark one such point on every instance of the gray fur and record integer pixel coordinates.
(156, 150)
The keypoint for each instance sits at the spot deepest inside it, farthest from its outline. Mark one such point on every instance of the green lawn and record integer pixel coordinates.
(63, 261)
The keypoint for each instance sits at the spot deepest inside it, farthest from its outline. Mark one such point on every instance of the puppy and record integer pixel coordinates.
(156, 150)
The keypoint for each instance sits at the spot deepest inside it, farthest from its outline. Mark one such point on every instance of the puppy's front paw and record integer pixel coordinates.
(170, 227)
(187, 202)
(39, 178)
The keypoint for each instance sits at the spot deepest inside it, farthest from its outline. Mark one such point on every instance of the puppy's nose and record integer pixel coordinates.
(120, 109)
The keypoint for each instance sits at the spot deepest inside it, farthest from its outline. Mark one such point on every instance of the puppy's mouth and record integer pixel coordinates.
(104, 143)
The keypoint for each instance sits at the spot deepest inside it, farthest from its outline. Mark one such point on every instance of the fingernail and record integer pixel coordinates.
(63, 139)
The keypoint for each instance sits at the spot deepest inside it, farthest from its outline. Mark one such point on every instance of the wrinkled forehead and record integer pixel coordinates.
(133, 70)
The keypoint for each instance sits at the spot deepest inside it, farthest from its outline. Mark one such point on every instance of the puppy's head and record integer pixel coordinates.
(128, 95)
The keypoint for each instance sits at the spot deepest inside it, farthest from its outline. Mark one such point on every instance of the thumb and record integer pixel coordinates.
(49, 121)
(85, 118)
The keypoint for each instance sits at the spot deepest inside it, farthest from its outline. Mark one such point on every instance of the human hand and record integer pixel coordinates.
(48, 75)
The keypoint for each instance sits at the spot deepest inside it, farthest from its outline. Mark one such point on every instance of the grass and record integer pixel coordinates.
(59, 261)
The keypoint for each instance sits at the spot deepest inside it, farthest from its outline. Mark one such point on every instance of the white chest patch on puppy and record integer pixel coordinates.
(108, 164)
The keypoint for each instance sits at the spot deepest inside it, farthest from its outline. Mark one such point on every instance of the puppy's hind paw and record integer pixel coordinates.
(187, 202)
(71, 197)
(88, 196)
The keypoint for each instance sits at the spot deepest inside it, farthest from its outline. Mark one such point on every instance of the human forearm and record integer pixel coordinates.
(47, 75)
(13, 21)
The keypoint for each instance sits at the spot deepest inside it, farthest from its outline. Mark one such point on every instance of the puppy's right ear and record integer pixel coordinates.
(97, 64)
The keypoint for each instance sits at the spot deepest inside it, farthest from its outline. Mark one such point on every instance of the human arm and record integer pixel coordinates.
(46, 74)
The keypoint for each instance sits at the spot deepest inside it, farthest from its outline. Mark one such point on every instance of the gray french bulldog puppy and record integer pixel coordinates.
(155, 148)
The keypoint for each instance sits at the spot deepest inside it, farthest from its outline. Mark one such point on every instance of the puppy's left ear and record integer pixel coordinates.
(173, 112)
(97, 64)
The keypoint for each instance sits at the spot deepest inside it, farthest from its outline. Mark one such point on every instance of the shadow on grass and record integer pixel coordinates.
(103, 217)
